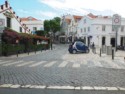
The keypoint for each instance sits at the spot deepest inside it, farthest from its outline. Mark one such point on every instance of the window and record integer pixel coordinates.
(20, 29)
(122, 28)
(84, 29)
(8, 22)
(34, 28)
(88, 29)
(103, 27)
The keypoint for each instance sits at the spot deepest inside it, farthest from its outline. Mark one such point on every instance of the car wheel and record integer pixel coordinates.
(74, 51)
(87, 51)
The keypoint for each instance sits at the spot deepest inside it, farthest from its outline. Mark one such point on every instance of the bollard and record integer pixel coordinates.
(17, 53)
(100, 52)
(112, 54)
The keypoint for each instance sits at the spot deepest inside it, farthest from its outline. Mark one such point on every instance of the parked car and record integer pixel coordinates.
(120, 47)
(78, 46)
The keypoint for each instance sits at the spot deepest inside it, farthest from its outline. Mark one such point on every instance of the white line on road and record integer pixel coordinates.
(5, 62)
(97, 88)
(37, 64)
(76, 65)
(23, 64)
(97, 63)
(63, 64)
(12, 63)
(50, 64)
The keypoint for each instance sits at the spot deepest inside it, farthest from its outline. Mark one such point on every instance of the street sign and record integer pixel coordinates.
(116, 21)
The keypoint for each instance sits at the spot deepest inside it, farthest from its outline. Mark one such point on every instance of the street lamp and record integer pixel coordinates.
(50, 34)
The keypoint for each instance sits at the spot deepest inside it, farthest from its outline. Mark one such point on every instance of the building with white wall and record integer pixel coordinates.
(98, 29)
(33, 24)
(11, 19)
(69, 25)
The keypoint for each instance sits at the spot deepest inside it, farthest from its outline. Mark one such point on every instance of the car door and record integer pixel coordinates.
(80, 46)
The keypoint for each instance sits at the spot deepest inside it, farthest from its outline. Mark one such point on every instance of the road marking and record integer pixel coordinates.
(60, 87)
(63, 64)
(112, 88)
(76, 65)
(121, 88)
(26, 63)
(5, 62)
(37, 87)
(12, 63)
(113, 65)
(87, 88)
(15, 86)
(6, 85)
(97, 88)
(100, 88)
(37, 64)
(84, 62)
(50, 64)
(97, 63)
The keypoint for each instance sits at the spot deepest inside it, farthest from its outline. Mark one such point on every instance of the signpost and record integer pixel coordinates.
(2, 25)
(116, 23)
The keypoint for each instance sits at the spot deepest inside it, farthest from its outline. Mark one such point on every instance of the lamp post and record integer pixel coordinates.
(116, 23)
(51, 45)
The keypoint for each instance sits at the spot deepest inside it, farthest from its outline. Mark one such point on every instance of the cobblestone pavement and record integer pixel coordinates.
(59, 68)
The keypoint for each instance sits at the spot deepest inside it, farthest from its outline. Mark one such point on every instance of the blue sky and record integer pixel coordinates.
(47, 9)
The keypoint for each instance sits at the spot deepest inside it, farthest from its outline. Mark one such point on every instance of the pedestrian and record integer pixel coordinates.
(93, 48)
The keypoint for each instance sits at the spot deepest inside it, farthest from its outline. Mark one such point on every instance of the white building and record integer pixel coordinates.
(98, 29)
(33, 24)
(11, 20)
(69, 25)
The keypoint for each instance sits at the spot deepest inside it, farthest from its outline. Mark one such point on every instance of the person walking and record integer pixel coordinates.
(93, 47)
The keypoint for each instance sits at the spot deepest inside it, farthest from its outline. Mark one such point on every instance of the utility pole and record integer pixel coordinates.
(116, 23)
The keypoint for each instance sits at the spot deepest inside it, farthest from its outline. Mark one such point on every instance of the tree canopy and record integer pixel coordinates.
(52, 25)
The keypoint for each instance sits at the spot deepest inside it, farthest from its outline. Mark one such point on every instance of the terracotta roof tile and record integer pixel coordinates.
(28, 19)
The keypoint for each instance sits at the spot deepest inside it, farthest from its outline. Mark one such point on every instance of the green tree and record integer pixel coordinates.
(52, 25)
(40, 33)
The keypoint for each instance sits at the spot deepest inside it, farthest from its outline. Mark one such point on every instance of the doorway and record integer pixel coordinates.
(121, 42)
(112, 42)
(103, 40)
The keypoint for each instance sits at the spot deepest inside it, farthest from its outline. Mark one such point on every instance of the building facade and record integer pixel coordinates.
(11, 19)
(33, 24)
(98, 29)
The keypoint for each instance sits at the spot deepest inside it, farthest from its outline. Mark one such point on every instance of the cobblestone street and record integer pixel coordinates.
(59, 68)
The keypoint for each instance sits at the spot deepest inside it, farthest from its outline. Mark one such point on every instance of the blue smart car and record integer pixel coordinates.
(78, 46)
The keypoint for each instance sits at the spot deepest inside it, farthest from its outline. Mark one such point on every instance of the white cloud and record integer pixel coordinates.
(79, 5)
(46, 14)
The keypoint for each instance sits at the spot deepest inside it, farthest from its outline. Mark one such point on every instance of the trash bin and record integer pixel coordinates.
(109, 50)
(104, 49)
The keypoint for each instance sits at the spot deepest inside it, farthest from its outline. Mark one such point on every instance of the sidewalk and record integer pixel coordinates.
(119, 55)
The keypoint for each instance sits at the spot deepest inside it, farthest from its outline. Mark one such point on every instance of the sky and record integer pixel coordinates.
(48, 9)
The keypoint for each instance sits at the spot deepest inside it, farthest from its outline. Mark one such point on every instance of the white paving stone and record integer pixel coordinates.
(63, 64)
(87, 88)
(60, 87)
(12, 63)
(37, 64)
(121, 88)
(112, 88)
(50, 64)
(76, 65)
(23, 64)
(6, 85)
(14, 86)
(5, 62)
(100, 88)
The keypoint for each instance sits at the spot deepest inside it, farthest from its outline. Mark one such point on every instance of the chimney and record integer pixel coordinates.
(6, 4)
(2, 7)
